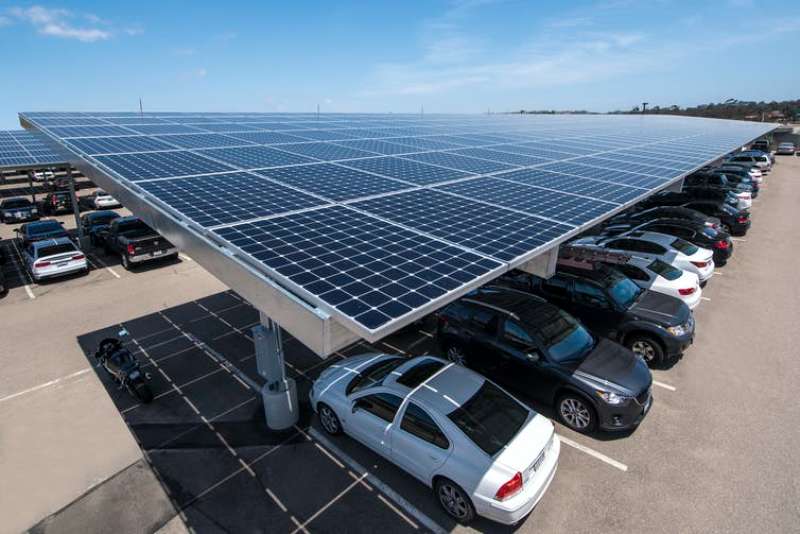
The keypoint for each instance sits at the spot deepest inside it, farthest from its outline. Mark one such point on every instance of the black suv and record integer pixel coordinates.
(715, 181)
(544, 354)
(57, 202)
(655, 326)
(711, 203)
(698, 234)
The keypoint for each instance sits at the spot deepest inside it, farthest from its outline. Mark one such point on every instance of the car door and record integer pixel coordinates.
(593, 308)
(370, 419)
(418, 444)
(524, 369)
(482, 346)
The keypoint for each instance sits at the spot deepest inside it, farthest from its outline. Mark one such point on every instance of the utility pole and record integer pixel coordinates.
(644, 107)
(421, 110)
(317, 111)
(141, 110)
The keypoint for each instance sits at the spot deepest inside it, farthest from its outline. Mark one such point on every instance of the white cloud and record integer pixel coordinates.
(4, 21)
(58, 23)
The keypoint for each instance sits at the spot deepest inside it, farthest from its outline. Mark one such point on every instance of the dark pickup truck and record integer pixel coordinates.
(135, 242)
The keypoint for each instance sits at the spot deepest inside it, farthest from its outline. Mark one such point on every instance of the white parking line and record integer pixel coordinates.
(665, 386)
(705, 298)
(739, 239)
(184, 256)
(106, 267)
(45, 385)
(406, 506)
(591, 452)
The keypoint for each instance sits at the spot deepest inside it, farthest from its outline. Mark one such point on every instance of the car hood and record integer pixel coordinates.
(661, 309)
(611, 364)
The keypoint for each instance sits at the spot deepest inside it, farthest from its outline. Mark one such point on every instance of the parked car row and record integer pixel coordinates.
(21, 209)
(578, 344)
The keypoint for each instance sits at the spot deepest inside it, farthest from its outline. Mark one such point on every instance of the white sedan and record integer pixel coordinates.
(653, 245)
(99, 200)
(660, 276)
(54, 257)
(481, 450)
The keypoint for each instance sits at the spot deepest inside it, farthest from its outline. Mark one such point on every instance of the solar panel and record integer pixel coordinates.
(215, 199)
(333, 181)
(380, 218)
(20, 149)
(367, 269)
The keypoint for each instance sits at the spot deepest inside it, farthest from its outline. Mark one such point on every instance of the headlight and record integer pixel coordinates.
(677, 330)
(612, 398)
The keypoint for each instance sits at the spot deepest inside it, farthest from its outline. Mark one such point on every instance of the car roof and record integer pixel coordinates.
(504, 299)
(15, 199)
(42, 222)
(654, 237)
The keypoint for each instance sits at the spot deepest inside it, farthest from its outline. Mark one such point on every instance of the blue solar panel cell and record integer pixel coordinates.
(117, 145)
(201, 140)
(462, 163)
(216, 199)
(500, 233)
(255, 157)
(155, 129)
(554, 205)
(325, 151)
(225, 127)
(606, 175)
(407, 170)
(366, 269)
(323, 135)
(377, 146)
(267, 138)
(587, 187)
(89, 131)
(334, 182)
(521, 160)
(149, 165)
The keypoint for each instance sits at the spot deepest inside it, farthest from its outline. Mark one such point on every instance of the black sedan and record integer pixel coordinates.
(39, 230)
(18, 209)
(544, 354)
(665, 212)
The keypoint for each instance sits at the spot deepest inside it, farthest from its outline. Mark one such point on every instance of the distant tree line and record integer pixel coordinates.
(730, 109)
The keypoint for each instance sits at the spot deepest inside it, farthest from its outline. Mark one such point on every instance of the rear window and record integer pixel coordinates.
(52, 250)
(419, 373)
(684, 246)
(104, 218)
(134, 229)
(490, 418)
(16, 203)
(665, 270)
(44, 228)
(373, 375)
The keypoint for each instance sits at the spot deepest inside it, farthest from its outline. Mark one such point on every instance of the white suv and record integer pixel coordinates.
(484, 452)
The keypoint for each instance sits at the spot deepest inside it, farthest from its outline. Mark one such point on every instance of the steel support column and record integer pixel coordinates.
(279, 393)
(76, 210)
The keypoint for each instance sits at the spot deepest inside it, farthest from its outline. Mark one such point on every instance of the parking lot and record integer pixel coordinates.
(716, 452)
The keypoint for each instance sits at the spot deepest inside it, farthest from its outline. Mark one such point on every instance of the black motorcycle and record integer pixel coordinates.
(123, 368)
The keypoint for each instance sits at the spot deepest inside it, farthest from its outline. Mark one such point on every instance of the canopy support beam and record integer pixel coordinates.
(279, 393)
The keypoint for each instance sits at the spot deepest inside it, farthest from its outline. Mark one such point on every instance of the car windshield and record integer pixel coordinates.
(52, 250)
(563, 337)
(490, 418)
(373, 374)
(134, 229)
(684, 246)
(16, 203)
(624, 291)
(665, 270)
(710, 232)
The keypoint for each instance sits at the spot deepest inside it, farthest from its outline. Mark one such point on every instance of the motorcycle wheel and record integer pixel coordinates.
(141, 391)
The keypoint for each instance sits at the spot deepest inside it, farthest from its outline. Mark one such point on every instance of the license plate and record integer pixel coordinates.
(158, 253)
(20, 215)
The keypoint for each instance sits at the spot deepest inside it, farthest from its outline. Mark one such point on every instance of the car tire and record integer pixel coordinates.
(126, 264)
(329, 420)
(454, 500)
(648, 348)
(455, 353)
(576, 413)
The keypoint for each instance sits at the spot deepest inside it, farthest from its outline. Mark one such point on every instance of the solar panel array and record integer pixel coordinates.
(22, 149)
(380, 218)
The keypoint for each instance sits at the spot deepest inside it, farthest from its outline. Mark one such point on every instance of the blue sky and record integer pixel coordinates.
(448, 56)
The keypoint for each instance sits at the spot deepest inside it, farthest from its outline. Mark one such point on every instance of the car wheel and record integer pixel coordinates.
(648, 349)
(329, 420)
(725, 228)
(126, 264)
(456, 354)
(576, 413)
(454, 500)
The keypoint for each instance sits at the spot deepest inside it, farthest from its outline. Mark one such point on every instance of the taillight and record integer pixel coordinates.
(741, 219)
(54, 201)
(721, 245)
(510, 488)
(699, 263)
(131, 250)
(43, 263)
(78, 257)
(687, 291)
